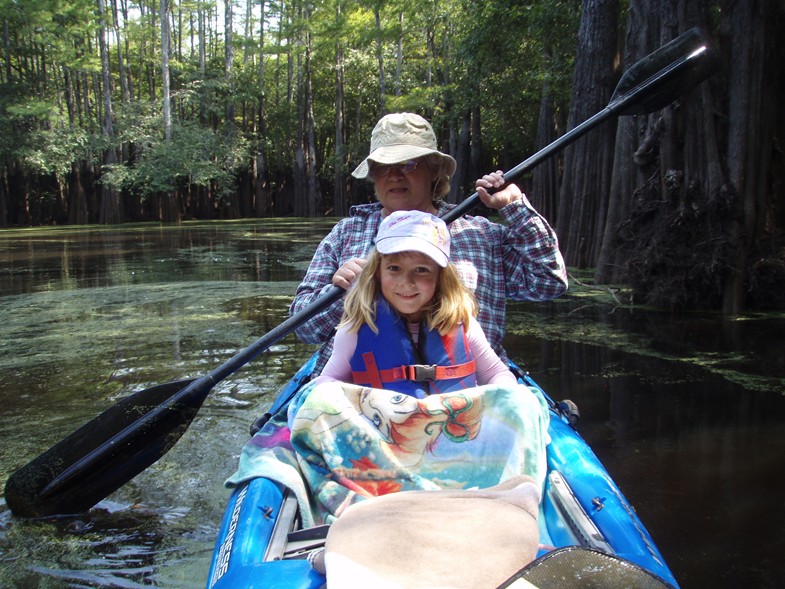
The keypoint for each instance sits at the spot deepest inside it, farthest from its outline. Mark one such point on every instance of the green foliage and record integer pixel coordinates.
(53, 151)
(455, 55)
(195, 155)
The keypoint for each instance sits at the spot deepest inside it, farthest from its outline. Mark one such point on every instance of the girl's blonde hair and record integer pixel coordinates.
(451, 305)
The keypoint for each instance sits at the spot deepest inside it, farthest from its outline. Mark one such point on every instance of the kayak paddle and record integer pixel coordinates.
(110, 450)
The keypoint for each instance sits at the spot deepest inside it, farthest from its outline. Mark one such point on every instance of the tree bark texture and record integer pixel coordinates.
(691, 189)
(340, 206)
(587, 163)
(546, 178)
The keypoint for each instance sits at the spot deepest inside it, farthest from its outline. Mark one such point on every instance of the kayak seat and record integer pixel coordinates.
(436, 535)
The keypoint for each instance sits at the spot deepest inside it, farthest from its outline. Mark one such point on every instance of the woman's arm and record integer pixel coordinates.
(534, 266)
(317, 280)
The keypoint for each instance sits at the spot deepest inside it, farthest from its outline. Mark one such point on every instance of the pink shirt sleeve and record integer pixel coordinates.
(338, 367)
(490, 368)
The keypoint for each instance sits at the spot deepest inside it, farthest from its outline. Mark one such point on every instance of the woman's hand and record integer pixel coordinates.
(348, 272)
(501, 198)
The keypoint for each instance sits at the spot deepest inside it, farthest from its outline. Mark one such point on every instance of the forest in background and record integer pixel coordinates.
(114, 111)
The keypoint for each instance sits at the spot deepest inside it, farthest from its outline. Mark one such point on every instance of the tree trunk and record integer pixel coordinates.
(120, 61)
(7, 52)
(3, 197)
(751, 137)
(262, 204)
(380, 59)
(545, 178)
(228, 61)
(170, 203)
(340, 206)
(476, 153)
(313, 197)
(702, 166)
(110, 211)
(126, 36)
(461, 149)
(77, 200)
(399, 63)
(165, 47)
(587, 163)
(628, 174)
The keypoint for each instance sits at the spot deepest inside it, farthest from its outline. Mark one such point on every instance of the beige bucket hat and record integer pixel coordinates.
(399, 137)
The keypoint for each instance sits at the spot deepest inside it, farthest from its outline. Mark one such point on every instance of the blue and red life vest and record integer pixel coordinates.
(390, 360)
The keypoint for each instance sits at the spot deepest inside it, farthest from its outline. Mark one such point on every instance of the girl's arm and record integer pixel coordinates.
(490, 368)
(338, 367)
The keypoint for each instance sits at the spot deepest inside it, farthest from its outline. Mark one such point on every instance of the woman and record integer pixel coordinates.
(519, 260)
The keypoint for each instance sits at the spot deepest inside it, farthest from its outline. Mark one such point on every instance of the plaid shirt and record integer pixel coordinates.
(519, 261)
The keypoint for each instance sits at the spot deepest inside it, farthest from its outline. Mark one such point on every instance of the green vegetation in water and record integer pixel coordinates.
(79, 351)
(587, 314)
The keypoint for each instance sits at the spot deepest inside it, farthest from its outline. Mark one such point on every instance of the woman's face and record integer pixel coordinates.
(408, 282)
(404, 187)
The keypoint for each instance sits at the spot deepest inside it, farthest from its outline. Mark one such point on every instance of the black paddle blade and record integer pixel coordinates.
(26, 489)
(668, 72)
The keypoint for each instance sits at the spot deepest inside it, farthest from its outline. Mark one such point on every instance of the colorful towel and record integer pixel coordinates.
(350, 443)
(354, 442)
(269, 454)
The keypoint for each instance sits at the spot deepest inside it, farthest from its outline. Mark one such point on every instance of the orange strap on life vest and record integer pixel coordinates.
(414, 372)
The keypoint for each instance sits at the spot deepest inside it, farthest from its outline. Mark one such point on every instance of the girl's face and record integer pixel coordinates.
(408, 282)
(403, 188)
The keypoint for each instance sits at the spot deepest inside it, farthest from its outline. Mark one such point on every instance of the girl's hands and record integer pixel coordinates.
(348, 272)
(500, 199)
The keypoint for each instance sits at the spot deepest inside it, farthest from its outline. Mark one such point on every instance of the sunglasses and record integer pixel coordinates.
(382, 170)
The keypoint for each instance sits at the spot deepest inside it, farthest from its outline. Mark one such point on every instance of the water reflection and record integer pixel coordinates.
(687, 413)
(64, 258)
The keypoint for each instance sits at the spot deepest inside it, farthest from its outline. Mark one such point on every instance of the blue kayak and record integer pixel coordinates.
(261, 543)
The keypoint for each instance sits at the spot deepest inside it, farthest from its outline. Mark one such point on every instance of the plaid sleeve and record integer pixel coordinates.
(351, 237)
(534, 266)
(318, 278)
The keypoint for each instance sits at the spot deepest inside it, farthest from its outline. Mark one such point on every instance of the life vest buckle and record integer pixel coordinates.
(421, 372)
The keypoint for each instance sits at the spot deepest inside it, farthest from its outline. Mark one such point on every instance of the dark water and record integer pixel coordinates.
(687, 413)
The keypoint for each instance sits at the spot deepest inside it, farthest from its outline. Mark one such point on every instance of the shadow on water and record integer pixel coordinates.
(686, 412)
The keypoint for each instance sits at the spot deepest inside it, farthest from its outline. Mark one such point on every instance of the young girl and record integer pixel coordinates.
(409, 323)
